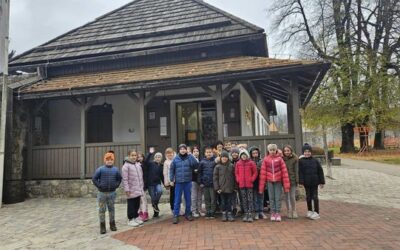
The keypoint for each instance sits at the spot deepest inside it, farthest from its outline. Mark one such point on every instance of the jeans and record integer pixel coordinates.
(312, 195)
(247, 199)
(185, 188)
(133, 207)
(258, 200)
(155, 193)
(172, 197)
(106, 200)
(274, 193)
(290, 198)
(197, 197)
(209, 199)
(227, 201)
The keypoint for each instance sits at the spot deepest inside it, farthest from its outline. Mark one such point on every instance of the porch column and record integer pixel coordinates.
(220, 114)
(294, 119)
(142, 118)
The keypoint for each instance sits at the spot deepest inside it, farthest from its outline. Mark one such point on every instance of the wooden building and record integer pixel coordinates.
(154, 73)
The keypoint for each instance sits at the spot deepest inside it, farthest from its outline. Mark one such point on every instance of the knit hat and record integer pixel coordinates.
(305, 147)
(244, 151)
(182, 146)
(158, 154)
(225, 154)
(109, 157)
(235, 150)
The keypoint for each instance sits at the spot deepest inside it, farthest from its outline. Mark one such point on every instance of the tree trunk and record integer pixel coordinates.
(378, 142)
(347, 138)
(364, 139)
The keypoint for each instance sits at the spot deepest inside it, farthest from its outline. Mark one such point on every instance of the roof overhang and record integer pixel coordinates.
(270, 77)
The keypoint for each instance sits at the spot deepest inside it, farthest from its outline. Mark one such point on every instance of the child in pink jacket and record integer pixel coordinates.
(132, 180)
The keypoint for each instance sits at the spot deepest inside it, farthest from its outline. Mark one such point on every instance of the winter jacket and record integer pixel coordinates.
(154, 171)
(310, 172)
(224, 178)
(166, 170)
(273, 169)
(132, 179)
(182, 167)
(107, 178)
(258, 162)
(206, 171)
(245, 173)
(292, 165)
(195, 175)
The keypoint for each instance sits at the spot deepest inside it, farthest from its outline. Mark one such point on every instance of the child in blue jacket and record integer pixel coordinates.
(205, 178)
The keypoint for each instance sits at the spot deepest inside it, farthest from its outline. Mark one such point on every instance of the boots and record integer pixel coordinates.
(230, 217)
(245, 217)
(102, 227)
(113, 227)
(224, 217)
(249, 217)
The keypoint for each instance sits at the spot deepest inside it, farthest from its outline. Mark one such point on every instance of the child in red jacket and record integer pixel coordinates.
(246, 174)
(274, 172)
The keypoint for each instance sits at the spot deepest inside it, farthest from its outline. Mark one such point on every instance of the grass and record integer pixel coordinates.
(384, 156)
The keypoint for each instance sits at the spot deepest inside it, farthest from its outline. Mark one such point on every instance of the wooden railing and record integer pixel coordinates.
(63, 161)
(262, 141)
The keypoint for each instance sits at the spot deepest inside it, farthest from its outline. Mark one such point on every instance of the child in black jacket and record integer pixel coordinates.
(155, 177)
(311, 175)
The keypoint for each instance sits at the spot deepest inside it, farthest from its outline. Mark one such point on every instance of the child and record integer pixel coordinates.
(311, 175)
(180, 175)
(258, 198)
(205, 178)
(274, 172)
(143, 214)
(197, 191)
(292, 166)
(169, 155)
(154, 179)
(107, 179)
(224, 185)
(246, 173)
(132, 179)
(235, 158)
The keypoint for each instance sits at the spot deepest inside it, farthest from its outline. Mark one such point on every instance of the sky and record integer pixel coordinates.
(34, 22)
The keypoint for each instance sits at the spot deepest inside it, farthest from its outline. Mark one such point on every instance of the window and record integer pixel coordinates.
(99, 123)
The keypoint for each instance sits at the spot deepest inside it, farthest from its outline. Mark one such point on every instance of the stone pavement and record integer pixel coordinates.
(370, 220)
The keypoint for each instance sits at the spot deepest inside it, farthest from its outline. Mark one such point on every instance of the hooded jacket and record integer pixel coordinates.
(310, 172)
(258, 162)
(292, 165)
(155, 173)
(245, 172)
(274, 169)
(206, 171)
(224, 178)
(182, 168)
(132, 179)
(107, 178)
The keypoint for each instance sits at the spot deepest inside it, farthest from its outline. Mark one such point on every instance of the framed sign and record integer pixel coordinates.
(163, 126)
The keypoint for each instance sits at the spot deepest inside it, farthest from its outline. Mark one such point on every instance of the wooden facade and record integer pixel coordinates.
(183, 50)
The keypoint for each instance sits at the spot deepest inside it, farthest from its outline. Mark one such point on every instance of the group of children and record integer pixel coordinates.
(227, 177)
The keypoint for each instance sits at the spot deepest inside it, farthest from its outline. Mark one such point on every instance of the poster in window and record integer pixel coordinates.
(163, 126)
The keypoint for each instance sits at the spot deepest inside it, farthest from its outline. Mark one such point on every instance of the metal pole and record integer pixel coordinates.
(4, 27)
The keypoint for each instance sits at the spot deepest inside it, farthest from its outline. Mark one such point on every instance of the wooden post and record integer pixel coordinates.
(83, 138)
(142, 118)
(4, 28)
(220, 114)
(295, 117)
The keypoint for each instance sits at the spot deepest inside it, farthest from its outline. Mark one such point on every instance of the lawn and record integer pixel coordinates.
(384, 156)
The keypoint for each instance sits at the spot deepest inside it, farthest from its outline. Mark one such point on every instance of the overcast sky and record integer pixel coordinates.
(34, 22)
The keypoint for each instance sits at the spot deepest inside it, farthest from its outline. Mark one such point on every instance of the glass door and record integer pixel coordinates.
(188, 123)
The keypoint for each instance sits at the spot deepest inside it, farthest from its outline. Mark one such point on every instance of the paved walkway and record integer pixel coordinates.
(371, 220)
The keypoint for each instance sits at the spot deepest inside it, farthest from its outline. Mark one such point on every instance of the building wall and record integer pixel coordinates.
(65, 120)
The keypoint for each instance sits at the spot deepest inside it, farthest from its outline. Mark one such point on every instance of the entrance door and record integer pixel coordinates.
(196, 123)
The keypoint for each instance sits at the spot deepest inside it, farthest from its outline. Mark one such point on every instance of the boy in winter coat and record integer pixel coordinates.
(235, 158)
(107, 179)
(311, 175)
(180, 175)
(197, 191)
(274, 172)
(258, 198)
(132, 180)
(291, 160)
(246, 174)
(154, 178)
(205, 178)
(224, 185)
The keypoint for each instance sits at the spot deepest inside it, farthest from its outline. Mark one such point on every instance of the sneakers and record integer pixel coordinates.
(249, 217)
(138, 221)
(224, 217)
(156, 214)
(133, 223)
(245, 217)
(230, 217)
(175, 220)
(212, 215)
(289, 214)
(278, 218)
(196, 214)
(295, 216)
(315, 216)
(309, 213)
(257, 216)
(262, 216)
(102, 227)
(207, 216)
(155, 207)
(202, 214)
(189, 217)
(273, 218)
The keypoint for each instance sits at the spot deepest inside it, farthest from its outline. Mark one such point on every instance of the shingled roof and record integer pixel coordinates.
(141, 25)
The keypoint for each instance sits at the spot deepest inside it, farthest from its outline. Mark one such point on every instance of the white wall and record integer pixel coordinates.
(65, 120)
